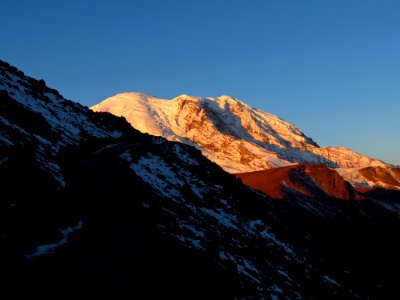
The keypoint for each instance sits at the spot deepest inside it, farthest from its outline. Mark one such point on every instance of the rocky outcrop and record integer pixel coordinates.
(317, 181)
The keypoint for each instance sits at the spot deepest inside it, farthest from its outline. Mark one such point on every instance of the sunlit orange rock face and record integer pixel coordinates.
(383, 177)
(312, 180)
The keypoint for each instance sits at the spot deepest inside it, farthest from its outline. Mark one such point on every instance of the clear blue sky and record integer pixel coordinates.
(331, 67)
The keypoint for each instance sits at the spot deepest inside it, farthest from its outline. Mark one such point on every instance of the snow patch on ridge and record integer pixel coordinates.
(51, 248)
(156, 172)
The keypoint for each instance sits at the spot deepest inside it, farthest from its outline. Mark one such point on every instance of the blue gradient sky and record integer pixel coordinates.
(330, 67)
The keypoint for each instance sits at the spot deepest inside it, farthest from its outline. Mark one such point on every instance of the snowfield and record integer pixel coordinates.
(229, 132)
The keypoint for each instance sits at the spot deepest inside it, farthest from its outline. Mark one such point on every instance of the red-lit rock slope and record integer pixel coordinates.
(365, 179)
(308, 179)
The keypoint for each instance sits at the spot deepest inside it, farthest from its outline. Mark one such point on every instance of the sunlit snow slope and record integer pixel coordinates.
(229, 132)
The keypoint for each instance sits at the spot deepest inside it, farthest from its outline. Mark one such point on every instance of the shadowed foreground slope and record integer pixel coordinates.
(90, 205)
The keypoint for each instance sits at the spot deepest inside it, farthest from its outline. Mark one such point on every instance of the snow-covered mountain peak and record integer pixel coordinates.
(139, 94)
(227, 98)
(229, 132)
(135, 96)
(186, 97)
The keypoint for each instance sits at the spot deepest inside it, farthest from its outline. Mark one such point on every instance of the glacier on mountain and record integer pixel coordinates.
(229, 132)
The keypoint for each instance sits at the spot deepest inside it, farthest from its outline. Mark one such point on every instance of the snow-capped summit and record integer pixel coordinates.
(187, 97)
(229, 132)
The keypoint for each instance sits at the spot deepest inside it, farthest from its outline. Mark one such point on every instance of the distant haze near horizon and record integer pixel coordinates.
(332, 69)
